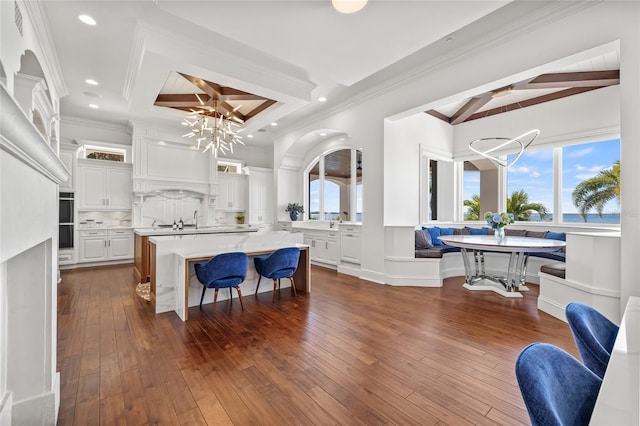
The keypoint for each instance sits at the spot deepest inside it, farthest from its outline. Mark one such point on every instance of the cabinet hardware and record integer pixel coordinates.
(326, 245)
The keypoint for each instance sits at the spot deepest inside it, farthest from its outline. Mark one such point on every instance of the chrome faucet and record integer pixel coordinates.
(331, 222)
(195, 217)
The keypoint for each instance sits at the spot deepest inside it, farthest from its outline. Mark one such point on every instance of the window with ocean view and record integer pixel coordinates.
(530, 186)
(591, 182)
(587, 190)
(335, 186)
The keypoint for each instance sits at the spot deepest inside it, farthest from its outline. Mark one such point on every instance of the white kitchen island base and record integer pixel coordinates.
(174, 286)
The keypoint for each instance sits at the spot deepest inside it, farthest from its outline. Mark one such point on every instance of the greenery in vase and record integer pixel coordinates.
(498, 220)
(295, 207)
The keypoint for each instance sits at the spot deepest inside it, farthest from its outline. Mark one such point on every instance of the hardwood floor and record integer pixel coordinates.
(351, 352)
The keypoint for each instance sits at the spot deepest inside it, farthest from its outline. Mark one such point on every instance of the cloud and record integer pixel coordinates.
(581, 153)
(579, 167)
(535, 174)
(596, 169)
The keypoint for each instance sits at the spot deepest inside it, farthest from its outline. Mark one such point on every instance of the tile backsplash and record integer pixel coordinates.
(104, 219)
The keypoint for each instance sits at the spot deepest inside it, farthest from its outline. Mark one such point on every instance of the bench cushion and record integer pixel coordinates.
(509, 232)
(423, 240)
(536, 234)
(436, 251)
(555, 269)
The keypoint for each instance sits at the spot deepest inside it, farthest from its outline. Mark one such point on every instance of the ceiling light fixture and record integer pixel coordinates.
(94, 106)
(91, 82)
(348, 6)
(215, 125)
(86, 19)
(486, 146)
(274, 124)
(322, 99)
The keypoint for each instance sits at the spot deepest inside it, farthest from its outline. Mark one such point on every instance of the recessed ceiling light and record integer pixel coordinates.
(274, 124)
(322, 99)
(91, 82)
(87, 20)
(249, 136)
(94, 106)
(323, 134)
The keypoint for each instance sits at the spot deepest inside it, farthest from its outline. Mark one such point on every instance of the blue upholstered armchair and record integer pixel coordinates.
(557, 389)
(594, 335)
(282, 263)
(223, 271)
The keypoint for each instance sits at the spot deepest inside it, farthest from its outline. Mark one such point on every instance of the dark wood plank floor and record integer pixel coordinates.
(350, 353)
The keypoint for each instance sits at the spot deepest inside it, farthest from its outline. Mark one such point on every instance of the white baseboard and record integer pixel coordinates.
(39, 410)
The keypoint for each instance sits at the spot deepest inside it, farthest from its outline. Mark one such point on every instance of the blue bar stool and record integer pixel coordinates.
(594, 335)
(282, 263)
(223, 271)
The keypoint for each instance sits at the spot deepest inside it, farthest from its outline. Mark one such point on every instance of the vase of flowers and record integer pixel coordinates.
(295, 210)
(497, 221)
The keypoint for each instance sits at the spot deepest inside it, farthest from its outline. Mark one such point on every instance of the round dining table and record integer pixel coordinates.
(473, 248)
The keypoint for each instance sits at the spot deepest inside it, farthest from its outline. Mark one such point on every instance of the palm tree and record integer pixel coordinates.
(518, 204)
(596, 192)
(474, 208)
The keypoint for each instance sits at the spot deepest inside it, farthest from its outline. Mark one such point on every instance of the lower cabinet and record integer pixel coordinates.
(324, 247)
(350, 243)
(103, 245)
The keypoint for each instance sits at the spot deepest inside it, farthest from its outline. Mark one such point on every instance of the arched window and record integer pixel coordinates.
(335, 186)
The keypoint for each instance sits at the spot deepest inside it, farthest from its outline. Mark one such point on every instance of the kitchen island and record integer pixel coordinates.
(173, 283)
(141, 249)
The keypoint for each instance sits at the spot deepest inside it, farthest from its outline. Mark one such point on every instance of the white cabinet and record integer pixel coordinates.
(104, 186)
(261, 196)
(120, 244)
(350, 243)
(93, 246)
(102, 245)
(232, 192)
(67, 157)
(323, 245)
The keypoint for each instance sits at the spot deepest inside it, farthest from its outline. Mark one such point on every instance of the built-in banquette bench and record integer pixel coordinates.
(428, 246)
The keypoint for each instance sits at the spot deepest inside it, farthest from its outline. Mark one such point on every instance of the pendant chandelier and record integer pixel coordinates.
(213, 128)
(487, 147)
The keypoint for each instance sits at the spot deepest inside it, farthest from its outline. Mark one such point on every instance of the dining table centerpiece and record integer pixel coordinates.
(497, 221)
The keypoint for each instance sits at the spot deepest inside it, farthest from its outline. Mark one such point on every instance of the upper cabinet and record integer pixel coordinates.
(232, 192)
(103, 185)
(261, 196)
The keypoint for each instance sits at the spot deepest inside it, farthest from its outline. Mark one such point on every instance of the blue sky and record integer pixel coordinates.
(534, 173)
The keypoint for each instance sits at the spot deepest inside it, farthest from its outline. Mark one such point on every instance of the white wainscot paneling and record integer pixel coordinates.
(176, 162)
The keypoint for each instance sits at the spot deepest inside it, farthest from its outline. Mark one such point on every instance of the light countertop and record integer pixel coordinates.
(216, 229)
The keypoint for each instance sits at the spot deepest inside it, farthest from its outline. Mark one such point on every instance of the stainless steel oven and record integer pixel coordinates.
(65, 226)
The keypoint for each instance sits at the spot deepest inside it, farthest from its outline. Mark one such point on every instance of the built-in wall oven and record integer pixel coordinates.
(66, 220)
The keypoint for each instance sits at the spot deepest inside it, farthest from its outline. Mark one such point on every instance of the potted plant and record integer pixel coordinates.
(240, 220)
(294, 210)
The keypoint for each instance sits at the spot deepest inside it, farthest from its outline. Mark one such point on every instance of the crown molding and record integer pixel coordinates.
(103, 125)
(135, 62)
(20, 138)
(44, 38)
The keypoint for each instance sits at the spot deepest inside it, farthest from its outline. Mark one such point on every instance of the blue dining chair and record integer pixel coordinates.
(594, 335)
(225, 270)
(282, 263)
(557, 389)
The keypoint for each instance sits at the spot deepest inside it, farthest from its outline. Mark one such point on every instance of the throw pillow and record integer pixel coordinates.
(423, 240)
(476, 231)
(556, 236)
(434, 233)
(514, 232)
(536, 234)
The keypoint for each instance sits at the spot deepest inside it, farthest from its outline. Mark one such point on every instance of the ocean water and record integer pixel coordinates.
(611, 218)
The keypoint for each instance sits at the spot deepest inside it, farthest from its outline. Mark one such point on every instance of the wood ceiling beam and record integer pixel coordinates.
(266, 104)
(439, 115)
(473, 105)
(533, 101)
(574, 79)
